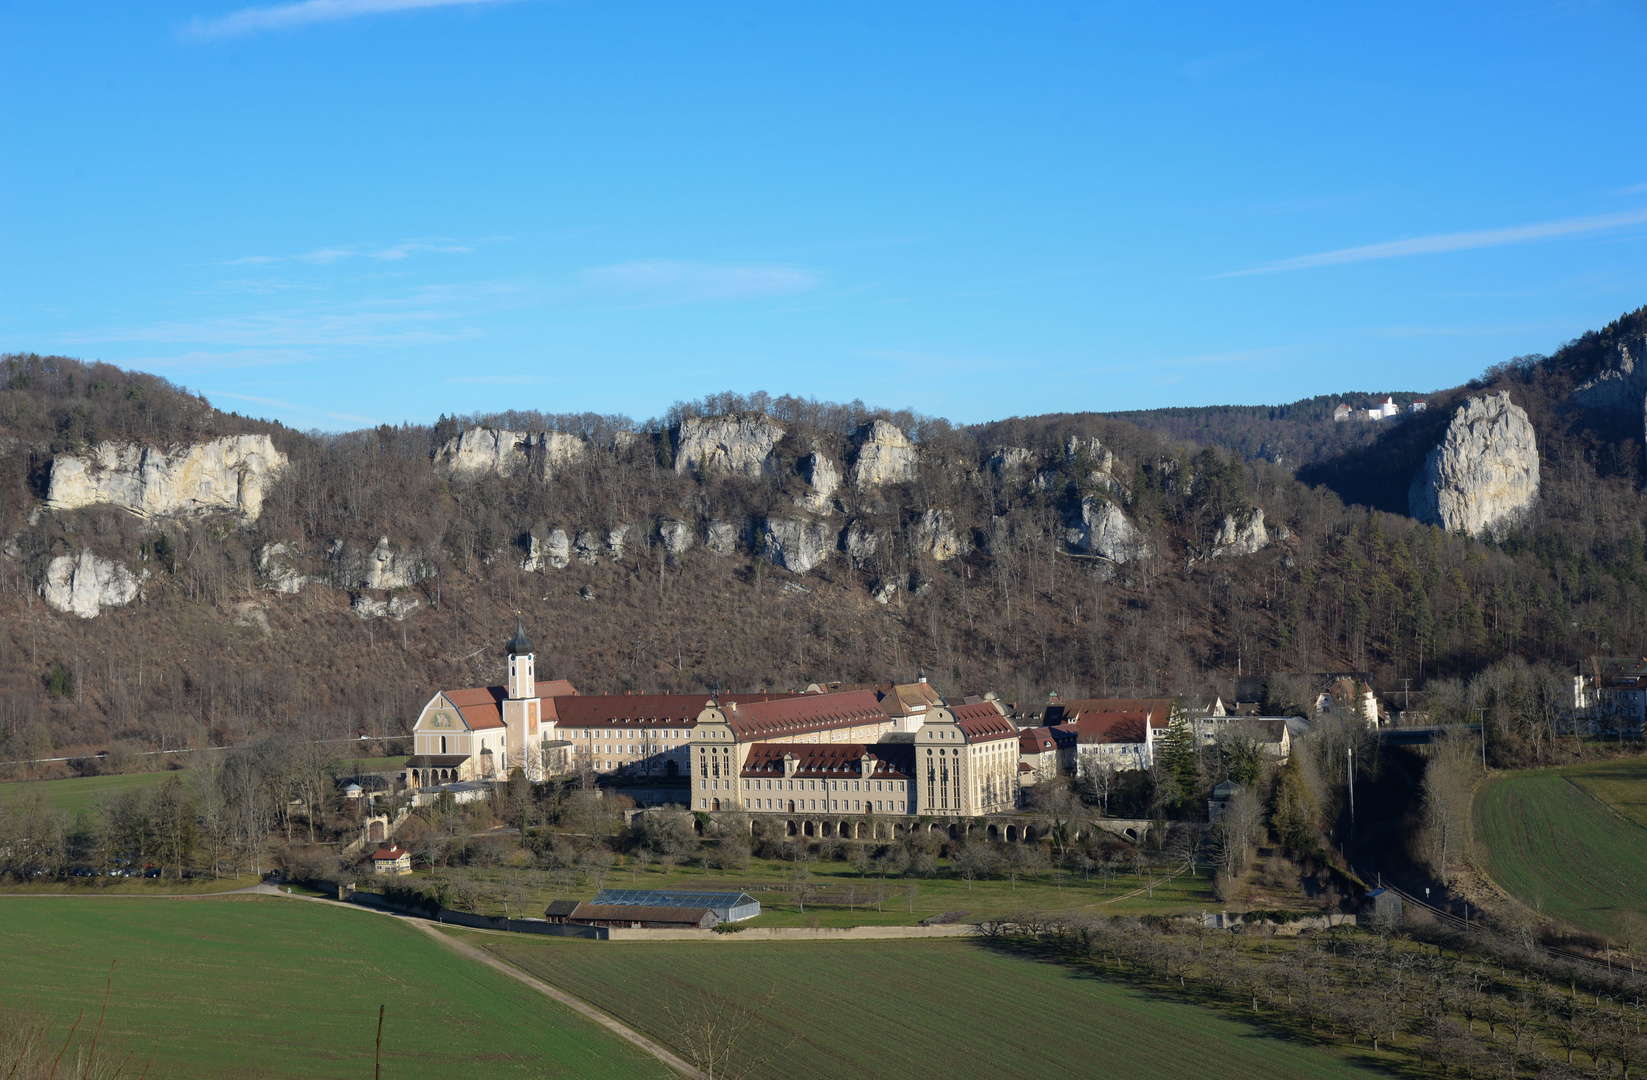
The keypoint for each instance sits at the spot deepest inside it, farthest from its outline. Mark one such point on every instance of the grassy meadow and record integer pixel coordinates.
(258, 986)
(79, 794)
(846, 898)
(906, 1010)
(1572, 842)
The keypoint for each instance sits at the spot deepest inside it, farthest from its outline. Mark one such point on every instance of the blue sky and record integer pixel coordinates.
(349, 211)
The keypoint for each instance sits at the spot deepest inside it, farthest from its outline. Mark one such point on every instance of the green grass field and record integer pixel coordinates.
(933, 896)
(1554, 844)
(905, 1010)
(258, 986)
(80, 793)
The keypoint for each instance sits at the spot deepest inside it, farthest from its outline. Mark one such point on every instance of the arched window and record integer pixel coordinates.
(443, 744)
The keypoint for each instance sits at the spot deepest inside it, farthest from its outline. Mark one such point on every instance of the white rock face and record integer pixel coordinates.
(85, 585)
(796, 544)
(720, 538)
(384, 567)
(493, 451)
(885, 456)
(885, 592)
(1484, 475)
(396, 607)
(860, 543)
(1090, 461)
(1238, 538)
(1101, 529)
(823, 478)
(677, 538)
(615, 539)
(1010, 459)
(1622, 384)
(274, 562)
(228, 474)
(934, 537)
(552, 549)
(736, 445)
(587, 548)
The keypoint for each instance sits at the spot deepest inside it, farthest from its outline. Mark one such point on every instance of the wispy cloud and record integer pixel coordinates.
(659, 282)
(1446, 242)
(254, 20)
(497, 380)
(381, 252)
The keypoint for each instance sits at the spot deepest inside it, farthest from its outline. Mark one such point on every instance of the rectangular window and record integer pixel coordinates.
(703, 804)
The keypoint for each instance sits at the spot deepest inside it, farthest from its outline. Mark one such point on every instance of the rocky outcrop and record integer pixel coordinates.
(484, 451)
(860, 543)
(1483, 477)
(1100, 528)
(587, 548)
(677, 538)
(1091, 462)
(1621, 386)
(384, 568)
(547, 547)
(396, 607)
(796, 544)
(616, 538)
(1010, 459)
(227, 475)
(274, 563)
(734, 445)
(885, 456)
(934, 537)
(823, 478)
(1241, 536)
(720, 538)
(885, 591)
(86, 585)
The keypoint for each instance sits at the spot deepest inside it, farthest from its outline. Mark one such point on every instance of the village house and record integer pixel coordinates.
(393, 859)
(1611, 692)
(1118, 734)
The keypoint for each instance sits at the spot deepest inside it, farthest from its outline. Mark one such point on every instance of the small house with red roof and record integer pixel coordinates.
(393, 859)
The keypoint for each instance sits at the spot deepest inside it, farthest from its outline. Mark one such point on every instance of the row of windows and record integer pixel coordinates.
(812, 785)
(632, 733)
(853, 806)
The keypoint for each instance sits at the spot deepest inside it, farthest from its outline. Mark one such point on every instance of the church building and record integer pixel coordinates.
(483, 733)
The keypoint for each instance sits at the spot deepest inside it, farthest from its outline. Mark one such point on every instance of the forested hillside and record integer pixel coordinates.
(990, 556)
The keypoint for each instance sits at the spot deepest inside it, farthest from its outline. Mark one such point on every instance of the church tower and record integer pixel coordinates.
(522, 682)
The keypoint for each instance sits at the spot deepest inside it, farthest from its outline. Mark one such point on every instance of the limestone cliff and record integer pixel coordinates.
(885, 456)
(721, 538)
(385, 567)
(677, 538)
(735, 445)
(223, 475)
(85, 585)
(1484, 476)
(822, 478)
(1238, 536)
(1100, 528)
(274, 562)
(494, 452)
(1621, 386)
(547, 547)
(796, 544)
(933, 535)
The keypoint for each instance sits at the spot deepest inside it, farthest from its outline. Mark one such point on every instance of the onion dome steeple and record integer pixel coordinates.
(520, 644)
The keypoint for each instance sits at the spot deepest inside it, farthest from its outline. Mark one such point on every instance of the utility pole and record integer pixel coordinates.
(1350, 768)
(1406, 695)
(1481, 721)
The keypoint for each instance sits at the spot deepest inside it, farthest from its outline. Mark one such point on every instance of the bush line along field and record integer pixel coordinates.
(258, 986)
(904, 1010)
(1571, 843)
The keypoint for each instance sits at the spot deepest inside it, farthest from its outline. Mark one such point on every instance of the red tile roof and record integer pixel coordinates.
(597, 710)
(1112, 727)
(390, 853)
(1039, 740)
(983, 722)
(802, 713)
(893, 761)
(1067, 711)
